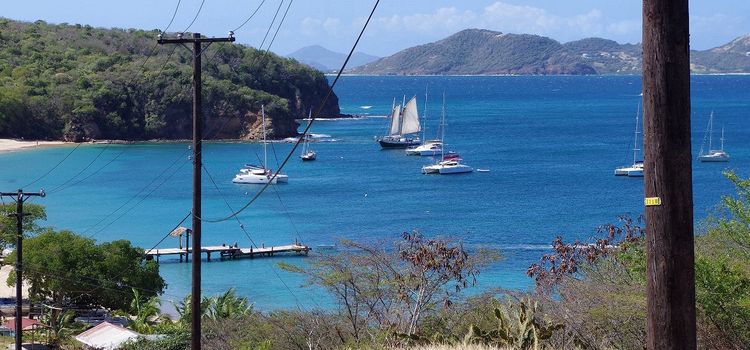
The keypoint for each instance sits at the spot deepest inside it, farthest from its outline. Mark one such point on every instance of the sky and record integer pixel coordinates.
(396, 25)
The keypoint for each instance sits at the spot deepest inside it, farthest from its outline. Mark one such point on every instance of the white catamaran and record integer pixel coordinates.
(713, 155)
(256, 174)
(404, 122)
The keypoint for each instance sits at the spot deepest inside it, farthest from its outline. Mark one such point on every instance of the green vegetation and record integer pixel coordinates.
(8, 223)
(479, 51)
(77, 83)
(66, 269)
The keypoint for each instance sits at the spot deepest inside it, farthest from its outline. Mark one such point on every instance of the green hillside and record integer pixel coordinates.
(480, 51)
(76, 82)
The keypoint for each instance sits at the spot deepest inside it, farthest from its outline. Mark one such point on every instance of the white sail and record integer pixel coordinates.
(395, 120)
(410, 123)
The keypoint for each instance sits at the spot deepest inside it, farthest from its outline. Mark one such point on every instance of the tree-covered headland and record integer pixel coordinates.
(76, 83)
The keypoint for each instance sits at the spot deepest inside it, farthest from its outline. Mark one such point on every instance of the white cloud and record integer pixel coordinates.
(511, 18)
(315, 27)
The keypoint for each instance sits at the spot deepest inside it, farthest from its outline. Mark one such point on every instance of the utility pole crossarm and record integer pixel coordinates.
(196, 38)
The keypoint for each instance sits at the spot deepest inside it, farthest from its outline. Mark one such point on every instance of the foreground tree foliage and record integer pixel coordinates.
(78, 83)
(68, 270)
(8, 230)
(392, 289)
(597, 290)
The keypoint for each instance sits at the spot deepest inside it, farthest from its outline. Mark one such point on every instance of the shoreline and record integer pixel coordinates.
(10, 145)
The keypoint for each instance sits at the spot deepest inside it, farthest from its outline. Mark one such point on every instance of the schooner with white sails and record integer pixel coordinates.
(404, 123)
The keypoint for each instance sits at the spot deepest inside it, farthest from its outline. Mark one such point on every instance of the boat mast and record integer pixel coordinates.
(306, 136)
(390, 125)
(442, 129)
(265, 152)
(424, 117)
(722, 137)
(401, 112)
(710, 131)
(635, 139)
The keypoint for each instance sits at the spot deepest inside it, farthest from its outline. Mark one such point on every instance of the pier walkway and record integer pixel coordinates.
(230, 252)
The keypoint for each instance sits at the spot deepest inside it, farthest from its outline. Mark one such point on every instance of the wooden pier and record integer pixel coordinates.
(231, 251)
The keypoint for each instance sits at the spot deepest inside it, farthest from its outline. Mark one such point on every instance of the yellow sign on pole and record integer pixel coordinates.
(652, 201)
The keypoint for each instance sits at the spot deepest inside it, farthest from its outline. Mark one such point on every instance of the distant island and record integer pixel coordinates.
(486, 52)
(79, 83)
(329, 61)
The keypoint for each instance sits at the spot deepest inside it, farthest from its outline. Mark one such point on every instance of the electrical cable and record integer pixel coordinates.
(242, 226)
(53, 168)
(280, 24)
(81, 171)
(270, 26)
(249, 18)
(145, 252)
(139, 201)
(196, 16)
(307, 129)
(93, 173)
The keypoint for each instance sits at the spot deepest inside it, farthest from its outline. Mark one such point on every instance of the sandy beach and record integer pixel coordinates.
(7, 145)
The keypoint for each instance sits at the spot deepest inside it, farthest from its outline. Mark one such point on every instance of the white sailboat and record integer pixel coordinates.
(635, 170)
(448, 164)
(404, 122)
(308, 154)
(713, 155)
(255, 174)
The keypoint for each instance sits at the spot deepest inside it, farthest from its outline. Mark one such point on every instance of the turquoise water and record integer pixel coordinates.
(551, 144)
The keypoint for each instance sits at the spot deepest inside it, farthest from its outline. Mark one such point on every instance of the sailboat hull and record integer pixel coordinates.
(398, 143)
(714, 158)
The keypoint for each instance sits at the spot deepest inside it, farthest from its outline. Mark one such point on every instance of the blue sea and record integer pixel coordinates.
(550, 143)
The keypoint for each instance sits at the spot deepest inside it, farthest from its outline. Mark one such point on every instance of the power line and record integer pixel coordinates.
(90, 175)
(242, 227)
(307, 129)
(139, 202)
(270, 26)
(81, 171)
(196, 17)
(53, 168)
(249, 18)
(280, 24)
(173, 16)
(143, 254)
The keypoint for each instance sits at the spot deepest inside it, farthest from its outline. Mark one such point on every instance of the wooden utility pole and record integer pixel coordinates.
(668, 176)
(195, 302)
(19, 197)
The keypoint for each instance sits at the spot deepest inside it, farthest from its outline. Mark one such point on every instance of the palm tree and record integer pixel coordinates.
(144, 313)
(61, 325)
(228, 305)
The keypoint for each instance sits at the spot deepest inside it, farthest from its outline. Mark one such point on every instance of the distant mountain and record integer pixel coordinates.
(480, 51)
(326, 60)
(733, 57)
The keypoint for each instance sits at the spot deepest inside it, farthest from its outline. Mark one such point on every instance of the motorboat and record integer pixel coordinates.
(429, 148)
